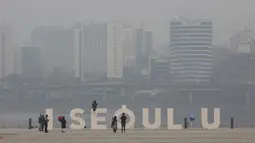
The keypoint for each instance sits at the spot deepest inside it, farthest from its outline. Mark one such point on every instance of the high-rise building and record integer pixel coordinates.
(243, 42)
(57, 48)
(159, 69)
(129, 47)
(78, 39)
(7, 51)
(191, 50)
(98, 51)
(143, 47)
(31, 62)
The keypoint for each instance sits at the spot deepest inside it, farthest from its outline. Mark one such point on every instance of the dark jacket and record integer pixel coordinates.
(123, 119)
(114, 124)
(40, 120)
(63, 123)
(45, 121)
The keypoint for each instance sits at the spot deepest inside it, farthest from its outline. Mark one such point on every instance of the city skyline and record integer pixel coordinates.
(144, 32)
(188, 54)
(59, 51)
(156, 14)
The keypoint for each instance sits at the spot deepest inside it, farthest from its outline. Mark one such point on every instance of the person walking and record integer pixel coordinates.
(123, 122)
(40, 122)
(114, 124)
(46, 121)
(63, 124)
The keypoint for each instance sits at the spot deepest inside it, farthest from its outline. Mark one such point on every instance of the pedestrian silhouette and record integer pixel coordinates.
(46, 121)
(63, 124)
(123, 122)
(114, 124)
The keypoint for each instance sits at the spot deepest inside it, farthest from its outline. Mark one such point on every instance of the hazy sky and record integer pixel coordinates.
(228, 15)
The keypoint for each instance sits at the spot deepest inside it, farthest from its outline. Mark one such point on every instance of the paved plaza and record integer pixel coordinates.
(131, 136)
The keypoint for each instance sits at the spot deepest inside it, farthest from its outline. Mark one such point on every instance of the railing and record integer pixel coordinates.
(186, 125)
(26, 126)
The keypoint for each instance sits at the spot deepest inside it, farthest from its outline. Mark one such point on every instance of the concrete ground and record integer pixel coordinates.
(131, 136)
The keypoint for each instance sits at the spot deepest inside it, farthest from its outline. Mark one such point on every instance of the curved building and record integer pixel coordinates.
(191, 50)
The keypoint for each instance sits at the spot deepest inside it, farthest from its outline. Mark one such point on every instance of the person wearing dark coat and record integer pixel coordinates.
(94, 105)
(40, 122)
(114, 124)
(63, 124)
(46, 121)
(123, 119)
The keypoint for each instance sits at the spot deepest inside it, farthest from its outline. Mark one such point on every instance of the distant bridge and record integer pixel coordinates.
(145, 86)
(133, 90)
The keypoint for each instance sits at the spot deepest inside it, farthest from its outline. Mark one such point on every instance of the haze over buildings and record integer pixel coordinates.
(129, 47)
(57, 41)
(99, 50)
(130, 52)
(7, 51)
(112, 50)
(227, 16)
(191, 50)
(243, 41)
(32, 62)
(143, 47)
(57, 47)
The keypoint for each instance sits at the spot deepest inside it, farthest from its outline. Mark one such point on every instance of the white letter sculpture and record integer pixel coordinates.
(77, 119)
(95, 119)
(49, 112)
(204, 119)
(157, 121)
(131, 123)
(170, 120)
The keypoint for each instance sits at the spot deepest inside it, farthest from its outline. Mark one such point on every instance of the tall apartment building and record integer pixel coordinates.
(143, 47)
(243, 41)
(159, 69)
(57, 48)
(7, 51)
(78, 31)
(98, 50)
(129, 47)
(191, 50)
(31, 62)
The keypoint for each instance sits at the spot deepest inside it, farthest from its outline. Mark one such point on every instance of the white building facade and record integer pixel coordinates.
(7, 51)
(98, 51)
(191, 50)
(114, 51)
(78, 46)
